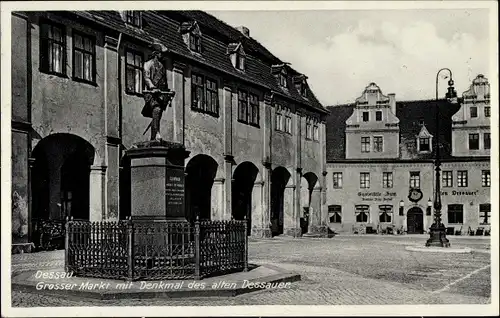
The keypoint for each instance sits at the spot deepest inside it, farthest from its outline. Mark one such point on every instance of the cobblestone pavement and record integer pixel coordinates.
(345, 270)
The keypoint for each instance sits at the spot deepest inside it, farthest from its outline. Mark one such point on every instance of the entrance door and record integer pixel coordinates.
(415, 221)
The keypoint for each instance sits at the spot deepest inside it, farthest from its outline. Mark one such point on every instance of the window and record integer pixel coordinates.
(473, 111)
(385, 214)
(52, 49)
(337, 180)
(195, 42)
(248, 108)
(133, 18)
(365, 144)
(335, 213)
(316, 131)
(83, 57)
(487, 111)
(283, 119)
(366, 116)
(204, 94)
(303, 89)
(424, 144)
(242, 106)
(212, 96)
(364, 180)
(473, 141)
(378, 144)
(378, 115)
(281, 78)
(279, 119)
(462, 179)
(487, 140)
(387, 179)
(415, 179)
(362, 213)
(253, 117)
(288, 122)
(133, 61)
(485, 178)
(455, 213)
(308, 130)
(484, 213)
(447, 179)
(240, 61)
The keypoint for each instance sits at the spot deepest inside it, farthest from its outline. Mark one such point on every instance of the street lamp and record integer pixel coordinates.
(429, 207)
(437, 229)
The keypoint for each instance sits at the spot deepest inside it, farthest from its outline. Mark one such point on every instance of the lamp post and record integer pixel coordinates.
(437, 229)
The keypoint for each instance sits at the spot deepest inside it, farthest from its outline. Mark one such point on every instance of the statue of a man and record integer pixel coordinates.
(156, 94)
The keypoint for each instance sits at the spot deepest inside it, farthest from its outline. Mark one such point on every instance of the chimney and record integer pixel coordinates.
(392, 102)
(244, 30)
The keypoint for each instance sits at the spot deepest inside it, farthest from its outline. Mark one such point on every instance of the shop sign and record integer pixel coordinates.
(377, 196)
(460, 193)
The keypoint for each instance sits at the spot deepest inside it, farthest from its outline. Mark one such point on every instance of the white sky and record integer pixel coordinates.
(401, 50)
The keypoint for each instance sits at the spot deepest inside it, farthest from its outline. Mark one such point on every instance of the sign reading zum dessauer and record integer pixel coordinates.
(377, 196)
(174, 191)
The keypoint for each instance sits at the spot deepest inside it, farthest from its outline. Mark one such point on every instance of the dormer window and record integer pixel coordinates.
(424, 144)
(195, 43)
(282, 79)
(280, 74)
(191, 35)
(133, 18)
(301, 84)
(424, 140)
(237, 55)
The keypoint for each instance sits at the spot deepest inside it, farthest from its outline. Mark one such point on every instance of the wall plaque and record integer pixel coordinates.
(174, 192)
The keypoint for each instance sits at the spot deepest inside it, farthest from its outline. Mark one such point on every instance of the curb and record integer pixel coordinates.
(438, 249)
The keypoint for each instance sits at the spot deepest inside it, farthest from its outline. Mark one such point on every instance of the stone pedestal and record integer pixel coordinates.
(157, 180)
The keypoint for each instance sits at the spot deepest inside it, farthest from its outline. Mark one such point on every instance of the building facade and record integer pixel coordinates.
(254, 129)
(380, 162)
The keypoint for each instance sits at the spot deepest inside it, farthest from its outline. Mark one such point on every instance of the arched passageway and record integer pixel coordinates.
(61, 177)
(308, 202)
(244, 177)
(279, 179)
(201, 171)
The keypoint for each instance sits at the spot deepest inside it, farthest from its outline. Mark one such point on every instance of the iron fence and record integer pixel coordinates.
(155, 250)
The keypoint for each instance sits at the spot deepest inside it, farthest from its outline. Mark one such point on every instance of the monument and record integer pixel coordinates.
(157, 165)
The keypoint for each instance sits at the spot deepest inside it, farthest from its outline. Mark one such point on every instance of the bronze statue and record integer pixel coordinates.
(157, 96)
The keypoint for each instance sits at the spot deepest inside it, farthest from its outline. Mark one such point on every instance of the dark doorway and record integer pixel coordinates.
(279, 180)
(243, 182)
(201, 171)
(125, 188)
(75, 177)
(415, 221)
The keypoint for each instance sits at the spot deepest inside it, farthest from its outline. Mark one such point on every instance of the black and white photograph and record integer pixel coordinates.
(249, 157)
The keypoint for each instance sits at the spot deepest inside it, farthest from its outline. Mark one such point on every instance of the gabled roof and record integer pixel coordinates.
(163, 26)
(411, 114)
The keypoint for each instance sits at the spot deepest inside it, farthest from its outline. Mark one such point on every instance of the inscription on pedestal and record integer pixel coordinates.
(174, 191)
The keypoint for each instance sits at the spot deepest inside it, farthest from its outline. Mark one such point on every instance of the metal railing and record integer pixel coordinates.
(155, 250)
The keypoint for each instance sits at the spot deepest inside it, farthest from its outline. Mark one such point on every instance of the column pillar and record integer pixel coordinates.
(257, 216)
(324, 207)
(176, 128)
(290, 227)
(297, 202)
(97, 193)
(316, 225)
(228, 198)
(264, 229)
(217, 200)
(112, 178)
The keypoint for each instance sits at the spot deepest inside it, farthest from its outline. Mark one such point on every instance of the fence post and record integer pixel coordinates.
(245, 235)
(66, 245)
(130, 249)
(197, 274)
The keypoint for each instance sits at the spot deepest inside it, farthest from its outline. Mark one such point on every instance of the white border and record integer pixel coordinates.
(393, 310)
